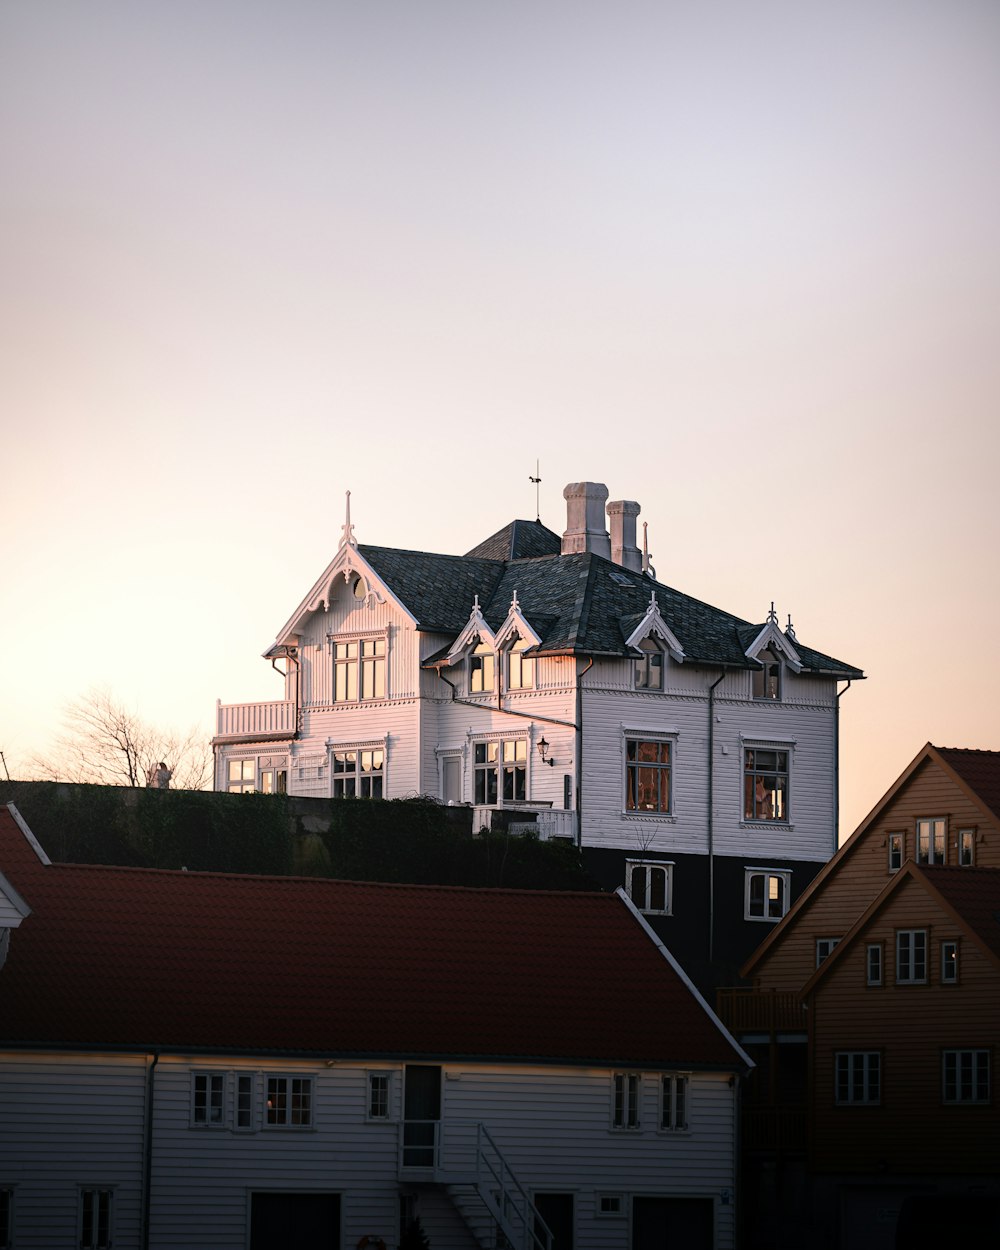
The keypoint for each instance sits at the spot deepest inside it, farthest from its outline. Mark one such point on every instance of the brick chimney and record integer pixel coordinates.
(622, 514)
(585, 519)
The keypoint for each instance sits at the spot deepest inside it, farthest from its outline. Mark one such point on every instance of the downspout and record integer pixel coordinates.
(711, 816)
(147, 1166)
(836, 769)
(292, 659)
(506, 711)
(579, 753)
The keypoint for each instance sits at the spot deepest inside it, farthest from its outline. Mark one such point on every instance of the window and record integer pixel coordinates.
(767, 679)
(673, 1103)
(481, 668)
(824, 946)
(274, 781)
(949, 963)
(649, 886)
(765, 784)
(359, 670)
(966, 847)
(647, 779)
(6, 1217)
(520, 668)
(966, 1076)
(289, 1102)
(766, 894)
(895, 852)
(858, 1077)
(626, 1105)
(930, 841)
(244, 1101)
(95, 1219)
(610, 1204)
(496, 761)
(359, 773)
(911, 956)
(873, 961)
(208, 1098)
(242, 776)
(649, 669)
(378, 1095)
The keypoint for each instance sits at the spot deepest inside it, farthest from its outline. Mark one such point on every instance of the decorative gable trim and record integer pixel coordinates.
(781, 644)
(653, 623)
(516, 623)
(475, 627)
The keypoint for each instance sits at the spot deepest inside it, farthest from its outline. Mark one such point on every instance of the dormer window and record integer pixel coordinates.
(520, 668)
(482, 668)
(649, 669)
(767, 679)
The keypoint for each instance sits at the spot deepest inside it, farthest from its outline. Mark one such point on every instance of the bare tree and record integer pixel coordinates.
(105, 743)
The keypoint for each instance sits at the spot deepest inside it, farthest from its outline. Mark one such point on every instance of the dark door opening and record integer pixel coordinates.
(659, 1223)
(305, 1221)
(557, 1212)
(421, 1115)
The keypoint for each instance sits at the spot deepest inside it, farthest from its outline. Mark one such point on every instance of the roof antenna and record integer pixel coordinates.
(536, 480)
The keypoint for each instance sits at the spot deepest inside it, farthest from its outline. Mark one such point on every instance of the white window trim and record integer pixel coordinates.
(669, 736)
(675, 1078)
(628, 1105)
(931, 857)
(359, 636)
(869, 979)
(785, 874)
(500, 737)
(617, 1214)
(960, 835)
(286, 1126)
(370, 744)
(766, 744)
(912, 980)
(896, 833)
(850, 1100)
(955, 965)
(668, 867)
(980, 1054)
(388, 1118)
(209, 1075)
(832, 944)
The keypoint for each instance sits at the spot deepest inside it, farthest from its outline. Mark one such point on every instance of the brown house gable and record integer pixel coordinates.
(936, 784)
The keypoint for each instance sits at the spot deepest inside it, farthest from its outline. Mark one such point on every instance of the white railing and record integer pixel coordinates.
(548, 822)
(250, 720)
(507, 1198)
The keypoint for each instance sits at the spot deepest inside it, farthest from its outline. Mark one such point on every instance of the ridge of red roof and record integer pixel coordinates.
(147, 958)
(980, 770)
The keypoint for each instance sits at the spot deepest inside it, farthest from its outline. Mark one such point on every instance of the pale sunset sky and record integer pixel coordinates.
(738, 261)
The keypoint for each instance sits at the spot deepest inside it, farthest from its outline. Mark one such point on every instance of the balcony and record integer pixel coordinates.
(544, 822)
(759, 1011)
(251, 722)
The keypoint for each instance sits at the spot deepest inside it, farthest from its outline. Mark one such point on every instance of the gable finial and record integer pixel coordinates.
(347, 538)
(772, 616)
(653, 606)
(647, 568)
(475, 604)
(514, 605)
(790, 631)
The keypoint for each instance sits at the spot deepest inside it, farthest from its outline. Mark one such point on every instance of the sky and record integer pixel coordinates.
(737, 261)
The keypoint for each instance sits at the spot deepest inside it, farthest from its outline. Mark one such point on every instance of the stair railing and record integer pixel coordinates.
(507, 1198)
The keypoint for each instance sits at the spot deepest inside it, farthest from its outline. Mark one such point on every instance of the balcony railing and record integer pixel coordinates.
(759, 1011)
(255, 720)
(546, 822)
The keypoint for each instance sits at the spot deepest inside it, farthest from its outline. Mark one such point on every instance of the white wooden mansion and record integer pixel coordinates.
(691, 754)
(198, 1059)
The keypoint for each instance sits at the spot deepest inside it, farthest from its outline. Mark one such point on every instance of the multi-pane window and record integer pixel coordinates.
(965, 1076)
(95, 1219)
(625, 1113)
(873, 963)
(244, 1100)
(520, 668)
(359, 670)
(966, 847)
(949, 962)
(649, 886)
(274, 781)
(647, 776)
(649, 667)
(482, 668)
(911, 956)
(241, 776)
(824, 947)
(673, 1102)
(767, 679)
(766, 896)
(931, 840)
(208, 1098)
(858, 1076)
(496, 762)
(378, 1095)
(895, 852)
(610, 1204)
(765, 784)
(289, 1101)
(359, 773)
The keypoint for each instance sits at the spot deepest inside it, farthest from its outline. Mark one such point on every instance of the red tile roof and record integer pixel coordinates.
(980, 770)
(142, 958)
(974, 894)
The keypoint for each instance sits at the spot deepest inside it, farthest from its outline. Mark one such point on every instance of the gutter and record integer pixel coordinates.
(836, 769)
(711, 816)
(579, 753)
(147, 1163)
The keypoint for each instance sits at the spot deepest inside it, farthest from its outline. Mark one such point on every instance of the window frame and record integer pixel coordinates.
(911, 956)
(936, 840)
(784, 875)
(286, 1104)
(667, 867)
(214, 1081)
(897, 850)
(626, 1102)
(874, 977)
(243, 784)
(674, 1102)
(950, 963)
(615, 1208)
(829, 944)
(358, 782)
(482, 661)
(979, 1056)
(514, 659)
(757, 794)
(965, 838)
(371, 1077)
(500, 771)
(651, 663)
(360, 668)
(856, 1087)
(97, 1196)
(766, 682)
(635, 785)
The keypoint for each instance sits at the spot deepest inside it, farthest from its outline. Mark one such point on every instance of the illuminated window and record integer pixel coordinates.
(965, 1076)
(949, 963)
(911, 956)
(766, 895)
(767, 679)
(520, 668)
(966, 847)
(649, 669)
(625, 1110)
(647, 776)
(895, 851)
(482, 668)
(241, 777)
(931, 840)
(765, 784)
(649, 886)
(500, 763)
(358, 773)
(858, 1077)
(289, 1102)
(359, 670)
(273, 781)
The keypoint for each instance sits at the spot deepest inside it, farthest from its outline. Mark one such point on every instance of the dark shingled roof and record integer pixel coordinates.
(980, 770)
(142, 958)
(520, 540)
(576, 603)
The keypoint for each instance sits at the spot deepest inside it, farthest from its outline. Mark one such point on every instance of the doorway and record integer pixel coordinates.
(659, 1223)
(421, 1115)
(305, 1221)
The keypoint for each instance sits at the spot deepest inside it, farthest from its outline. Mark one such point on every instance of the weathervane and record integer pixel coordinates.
(536, 480)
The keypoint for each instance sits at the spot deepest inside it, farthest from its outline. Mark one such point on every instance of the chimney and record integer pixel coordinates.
(622, 514)
(585, 519)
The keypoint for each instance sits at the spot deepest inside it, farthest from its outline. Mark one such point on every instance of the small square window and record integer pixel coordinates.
(625, 1109)
(895, 852)
(378, 1095)
(873, 959)
(610, 1204)
(949, 963)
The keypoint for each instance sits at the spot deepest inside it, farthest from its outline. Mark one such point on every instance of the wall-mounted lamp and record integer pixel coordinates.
(543, 747)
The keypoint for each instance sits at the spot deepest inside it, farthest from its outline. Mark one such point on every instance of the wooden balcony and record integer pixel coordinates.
(254, 722)
(759, 1011)
(544, 822)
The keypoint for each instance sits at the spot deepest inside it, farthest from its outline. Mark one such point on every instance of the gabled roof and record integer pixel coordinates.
(977, 773)
(971, 896)
(127, 958)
